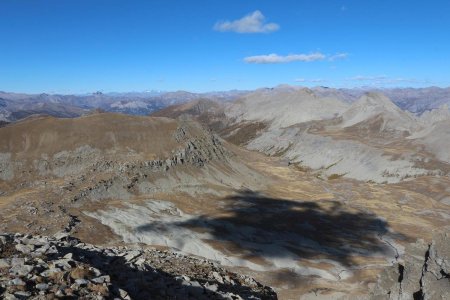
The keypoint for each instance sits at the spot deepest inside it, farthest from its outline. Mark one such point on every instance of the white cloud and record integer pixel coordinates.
(251, 23)
(278, 59)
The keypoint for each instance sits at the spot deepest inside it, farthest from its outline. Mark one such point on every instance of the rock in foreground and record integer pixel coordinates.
(36, 267)
(423, 274)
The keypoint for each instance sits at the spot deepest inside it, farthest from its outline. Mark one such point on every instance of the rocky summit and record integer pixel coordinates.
(62, 267)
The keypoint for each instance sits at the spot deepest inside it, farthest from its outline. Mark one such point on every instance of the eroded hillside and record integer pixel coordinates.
(371, 139)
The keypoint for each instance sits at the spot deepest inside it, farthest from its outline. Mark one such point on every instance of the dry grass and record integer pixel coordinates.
(242, 133)
(335, 176)
(8, 250)
(47, 135)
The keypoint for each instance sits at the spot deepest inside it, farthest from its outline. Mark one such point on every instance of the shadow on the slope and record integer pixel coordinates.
(150, 283)
(262, 227)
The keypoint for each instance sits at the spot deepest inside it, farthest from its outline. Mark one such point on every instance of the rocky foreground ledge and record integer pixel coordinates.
(423, 273)
(37, 267)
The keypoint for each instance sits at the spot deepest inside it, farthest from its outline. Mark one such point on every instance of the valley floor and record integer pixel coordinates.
(355, 228)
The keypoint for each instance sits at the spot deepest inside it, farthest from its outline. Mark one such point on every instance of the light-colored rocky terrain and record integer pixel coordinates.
(372, 105)
(396, 155)
(371, 139)
(284, 106)
(39, 267)
(423, 272)
(313, 207)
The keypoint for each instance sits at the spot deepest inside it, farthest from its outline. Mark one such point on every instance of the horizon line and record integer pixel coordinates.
(157, 91)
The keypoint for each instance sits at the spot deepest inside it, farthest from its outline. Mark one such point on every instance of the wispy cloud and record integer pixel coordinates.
(317, 80)
(251, 23)
(278, 59)
(338, 56)
(385, 80)
(368, 78)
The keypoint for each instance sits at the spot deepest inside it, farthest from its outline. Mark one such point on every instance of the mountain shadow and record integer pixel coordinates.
(256, 226)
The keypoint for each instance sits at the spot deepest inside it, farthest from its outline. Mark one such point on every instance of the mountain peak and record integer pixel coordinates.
(376, 99)
(373, 104)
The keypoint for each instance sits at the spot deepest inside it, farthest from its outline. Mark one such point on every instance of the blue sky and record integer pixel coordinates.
(78, 46)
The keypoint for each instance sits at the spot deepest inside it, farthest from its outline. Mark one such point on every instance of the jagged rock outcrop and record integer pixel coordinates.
(69, 147)
(423, 274)
(37, 267)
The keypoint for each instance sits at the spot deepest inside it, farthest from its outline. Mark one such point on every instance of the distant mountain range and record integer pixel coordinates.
(16, 106)
(415, 100)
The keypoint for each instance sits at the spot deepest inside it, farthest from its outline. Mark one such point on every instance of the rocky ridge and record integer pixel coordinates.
(190, 144)
(423, 273)
(39, 267)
